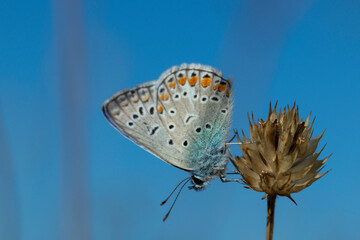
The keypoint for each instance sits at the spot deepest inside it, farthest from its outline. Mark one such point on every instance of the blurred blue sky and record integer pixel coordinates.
(308, 51)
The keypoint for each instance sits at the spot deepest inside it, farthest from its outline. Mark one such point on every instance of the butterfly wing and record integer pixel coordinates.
(196, 107)
(179, 117)
(133, 113)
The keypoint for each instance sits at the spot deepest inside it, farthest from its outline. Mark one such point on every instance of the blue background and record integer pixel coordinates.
(66, 174)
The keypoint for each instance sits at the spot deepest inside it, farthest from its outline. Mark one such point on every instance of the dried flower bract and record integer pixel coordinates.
(280, 158)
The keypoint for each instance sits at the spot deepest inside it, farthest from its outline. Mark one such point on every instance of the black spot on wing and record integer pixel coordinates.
(154, 130)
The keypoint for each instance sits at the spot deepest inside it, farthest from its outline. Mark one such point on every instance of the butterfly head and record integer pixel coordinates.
(201, 179)
(198, 183)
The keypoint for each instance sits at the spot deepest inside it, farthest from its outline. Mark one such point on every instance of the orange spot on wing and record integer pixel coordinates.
(172, 85)
(182, 80)
(135, 99)
(160, 109)
(145, 98)
(193, 80)
(206, 82)
(116, 112)
(221, 88)
(164, 97)
(228, 93)
(215, 86)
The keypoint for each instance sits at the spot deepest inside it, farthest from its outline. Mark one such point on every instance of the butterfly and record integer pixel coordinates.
(183, 118)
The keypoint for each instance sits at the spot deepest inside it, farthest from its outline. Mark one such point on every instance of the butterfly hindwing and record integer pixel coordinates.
(195, 101)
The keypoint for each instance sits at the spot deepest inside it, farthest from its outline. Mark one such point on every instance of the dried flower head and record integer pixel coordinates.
(280, 158)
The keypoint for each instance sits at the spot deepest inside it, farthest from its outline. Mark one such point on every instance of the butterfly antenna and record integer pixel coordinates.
(163, 202)
(168, 213)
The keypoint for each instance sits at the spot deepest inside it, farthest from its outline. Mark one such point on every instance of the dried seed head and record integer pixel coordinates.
(282, 158)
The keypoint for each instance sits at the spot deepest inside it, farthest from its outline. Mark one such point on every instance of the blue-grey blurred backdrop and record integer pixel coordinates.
(65, 173)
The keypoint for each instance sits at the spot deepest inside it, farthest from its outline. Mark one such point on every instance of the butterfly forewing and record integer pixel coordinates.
(133, 113)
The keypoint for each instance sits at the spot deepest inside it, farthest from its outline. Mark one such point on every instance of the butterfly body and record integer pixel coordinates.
(183, 118)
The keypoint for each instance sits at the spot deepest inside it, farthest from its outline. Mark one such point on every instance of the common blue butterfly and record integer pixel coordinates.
(183, 118)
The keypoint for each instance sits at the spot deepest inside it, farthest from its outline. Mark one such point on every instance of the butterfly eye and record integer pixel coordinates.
(197, 181)
(222, 151)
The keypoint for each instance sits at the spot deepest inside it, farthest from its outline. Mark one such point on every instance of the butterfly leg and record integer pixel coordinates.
(224, 179)
(230, 170)
(236, 134)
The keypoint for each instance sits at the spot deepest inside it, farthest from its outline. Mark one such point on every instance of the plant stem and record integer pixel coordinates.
(270, 216)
